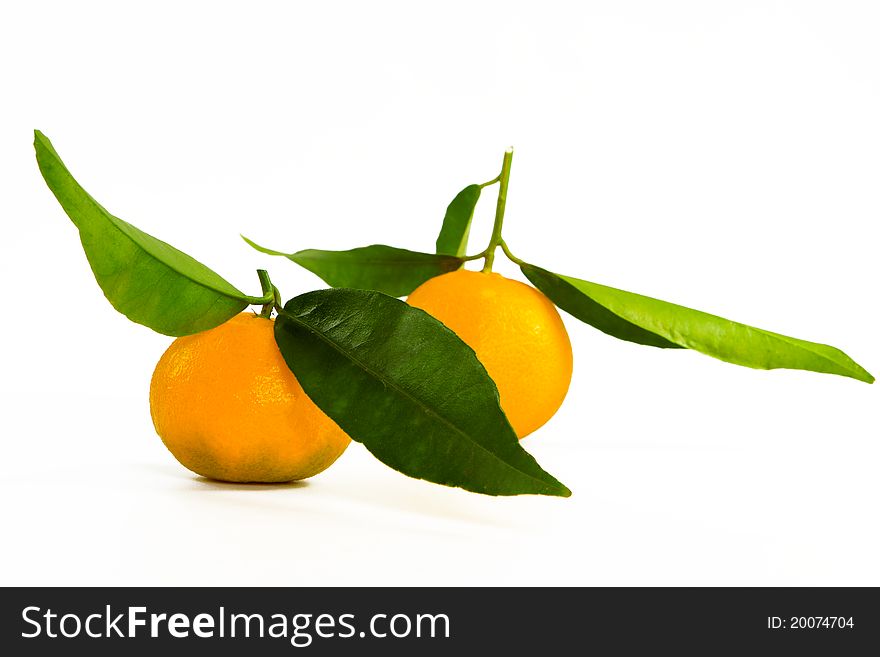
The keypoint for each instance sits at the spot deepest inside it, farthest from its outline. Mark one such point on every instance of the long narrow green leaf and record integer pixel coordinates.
(378, 267)
(453, 237)
(145, 279)
(397, 380)
(645, 320)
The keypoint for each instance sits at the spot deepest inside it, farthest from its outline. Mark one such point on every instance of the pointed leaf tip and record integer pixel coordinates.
(454, 234)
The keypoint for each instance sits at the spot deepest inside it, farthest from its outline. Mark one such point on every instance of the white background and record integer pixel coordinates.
(724, 155)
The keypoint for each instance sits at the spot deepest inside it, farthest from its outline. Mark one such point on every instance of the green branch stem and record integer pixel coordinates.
(477, 256)
(495, 240)
(512, 257)
(271, 297)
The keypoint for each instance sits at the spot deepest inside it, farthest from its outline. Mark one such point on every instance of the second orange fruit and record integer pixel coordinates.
(227, 406)
(515, 331)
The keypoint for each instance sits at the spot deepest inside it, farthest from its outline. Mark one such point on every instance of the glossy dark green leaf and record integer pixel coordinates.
(398, 381)
(453, 237)
(378, 267)
(145, 279)
(636, 318)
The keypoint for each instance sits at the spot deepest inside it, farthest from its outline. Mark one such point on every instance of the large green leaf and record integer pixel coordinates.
(378, 267)
(453, 237)
(650, 321)
(145, 279)
(398, 381)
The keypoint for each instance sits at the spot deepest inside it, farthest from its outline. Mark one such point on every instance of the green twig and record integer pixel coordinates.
(495, 240)
(481, 254)
(270, 294)
(510, 255)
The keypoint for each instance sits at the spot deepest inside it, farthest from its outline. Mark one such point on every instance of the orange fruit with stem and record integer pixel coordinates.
(228, 407)
(516, 333)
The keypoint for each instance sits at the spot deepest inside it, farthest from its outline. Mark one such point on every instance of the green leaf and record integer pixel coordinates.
(641, 319)
(145, 279)
(400, 382)
(378, 267)
(453, 237)
(561, 291)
